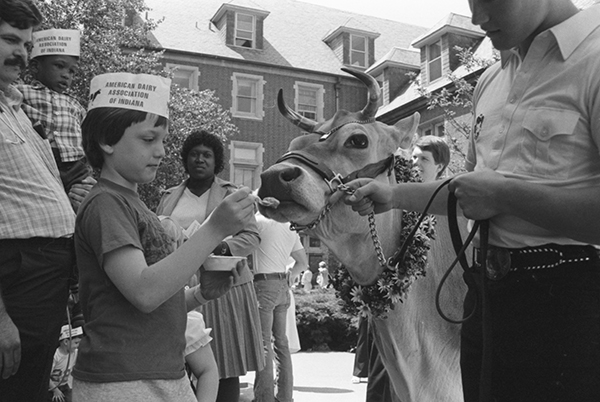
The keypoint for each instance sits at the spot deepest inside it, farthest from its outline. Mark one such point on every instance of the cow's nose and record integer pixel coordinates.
(290, 174)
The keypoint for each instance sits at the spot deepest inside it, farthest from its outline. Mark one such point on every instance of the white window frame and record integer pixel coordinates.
(437, 128)
(252, 31)
(431, 61)
(247, 156)
(258, 113)
(319, 93)
(363, 52)
(194, 73)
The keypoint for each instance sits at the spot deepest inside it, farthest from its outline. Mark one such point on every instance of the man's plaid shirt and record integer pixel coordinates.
(60, 115)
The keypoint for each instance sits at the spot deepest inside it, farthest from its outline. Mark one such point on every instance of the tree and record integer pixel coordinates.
(114, 38)
(455, 100)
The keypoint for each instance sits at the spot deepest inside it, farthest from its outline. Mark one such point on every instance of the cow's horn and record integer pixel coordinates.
(374, 92)
(296, 118)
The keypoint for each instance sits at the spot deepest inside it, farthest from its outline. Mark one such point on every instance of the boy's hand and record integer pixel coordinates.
(79, 191)
(234, 212)
(369, 196)
(214, 284)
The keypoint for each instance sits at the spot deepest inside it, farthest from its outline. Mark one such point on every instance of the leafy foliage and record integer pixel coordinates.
(456, 102)
(115, 39)
(394, 283)
(321, 322)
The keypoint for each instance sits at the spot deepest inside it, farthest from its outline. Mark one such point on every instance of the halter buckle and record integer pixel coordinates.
(337, 178)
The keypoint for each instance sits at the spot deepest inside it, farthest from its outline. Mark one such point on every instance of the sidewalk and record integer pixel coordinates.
(318, 377)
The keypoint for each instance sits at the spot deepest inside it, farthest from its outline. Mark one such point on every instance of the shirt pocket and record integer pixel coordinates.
(547, 148)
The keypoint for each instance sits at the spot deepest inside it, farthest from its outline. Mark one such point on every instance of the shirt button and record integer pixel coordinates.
(513, 99)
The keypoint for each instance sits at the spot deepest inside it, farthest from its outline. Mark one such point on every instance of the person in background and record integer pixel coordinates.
(307, 277)
(36, 226)
(534, 175)
(234, 318)
(431, 156)
(131, 276)
(200, 359)
(323, 278)
(54, 62)
(272, 284)
(61, 381)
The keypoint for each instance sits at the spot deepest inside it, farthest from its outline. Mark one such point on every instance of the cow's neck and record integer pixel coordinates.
(348, 237)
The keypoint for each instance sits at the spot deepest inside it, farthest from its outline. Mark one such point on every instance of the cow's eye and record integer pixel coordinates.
(357, 141)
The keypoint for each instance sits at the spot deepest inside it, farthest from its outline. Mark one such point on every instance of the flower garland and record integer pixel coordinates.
(393, 284)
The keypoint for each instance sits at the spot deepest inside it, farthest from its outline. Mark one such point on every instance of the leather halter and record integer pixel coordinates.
(372, 170)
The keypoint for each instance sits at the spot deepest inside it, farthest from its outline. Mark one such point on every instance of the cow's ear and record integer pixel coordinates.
(407, 127)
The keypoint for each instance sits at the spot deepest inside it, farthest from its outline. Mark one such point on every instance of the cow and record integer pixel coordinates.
(419, 349)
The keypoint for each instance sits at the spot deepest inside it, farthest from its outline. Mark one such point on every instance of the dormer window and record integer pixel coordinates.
(434, 60)
(358, 50)
(241, 26)
(245, 28)
(353, 43)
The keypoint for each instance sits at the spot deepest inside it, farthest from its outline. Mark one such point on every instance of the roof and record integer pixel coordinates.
(407, 58)
(294, 31)
(455, 23)
(484, 51)
(585, 3)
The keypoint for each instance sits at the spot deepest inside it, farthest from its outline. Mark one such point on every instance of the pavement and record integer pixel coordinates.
(318, 377)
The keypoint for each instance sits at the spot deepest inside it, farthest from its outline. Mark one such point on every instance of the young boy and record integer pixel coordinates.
(131, 280)
(54, 61)
(61, 381)
(431, 155)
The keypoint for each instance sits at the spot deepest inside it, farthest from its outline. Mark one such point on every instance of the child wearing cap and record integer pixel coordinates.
(131, 277)
(54, 62)
(61, 381)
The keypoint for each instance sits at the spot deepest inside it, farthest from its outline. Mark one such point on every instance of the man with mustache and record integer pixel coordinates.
(36, 227)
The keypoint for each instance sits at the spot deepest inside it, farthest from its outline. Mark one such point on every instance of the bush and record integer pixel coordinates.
(322, 325)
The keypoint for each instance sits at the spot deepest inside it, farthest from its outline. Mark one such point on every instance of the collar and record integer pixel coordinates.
(571, 33)
(35, 84)
(568, 35)
(11, 97)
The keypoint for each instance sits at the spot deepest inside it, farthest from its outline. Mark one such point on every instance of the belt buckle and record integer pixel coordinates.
(497, 263)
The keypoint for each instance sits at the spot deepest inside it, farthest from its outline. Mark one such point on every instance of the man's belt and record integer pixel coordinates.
(501, 261)
(271, 276)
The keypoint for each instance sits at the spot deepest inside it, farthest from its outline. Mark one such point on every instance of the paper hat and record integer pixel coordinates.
(143, 92)
(64, 332)
(55, 41)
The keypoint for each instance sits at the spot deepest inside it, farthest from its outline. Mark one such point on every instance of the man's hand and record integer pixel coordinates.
(214, 284)
(79, 191)
(477, 193)
(10, 346)
(369, 196)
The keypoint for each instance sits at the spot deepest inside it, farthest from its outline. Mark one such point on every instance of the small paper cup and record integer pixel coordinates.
(221, 263)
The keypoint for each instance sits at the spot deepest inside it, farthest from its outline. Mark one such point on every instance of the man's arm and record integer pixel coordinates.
(574, 213)
(300, 264)
(10, 344)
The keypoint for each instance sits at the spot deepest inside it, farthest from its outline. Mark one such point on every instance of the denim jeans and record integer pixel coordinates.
(273, 301)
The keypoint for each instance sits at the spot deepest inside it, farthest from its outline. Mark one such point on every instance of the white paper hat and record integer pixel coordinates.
(64, 332)
(143, 92)
(55, 41)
